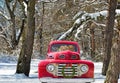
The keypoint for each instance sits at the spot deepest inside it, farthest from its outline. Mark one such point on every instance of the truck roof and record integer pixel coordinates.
(63, 41)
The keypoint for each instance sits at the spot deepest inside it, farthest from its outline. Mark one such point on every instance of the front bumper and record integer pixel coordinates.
(69, 80)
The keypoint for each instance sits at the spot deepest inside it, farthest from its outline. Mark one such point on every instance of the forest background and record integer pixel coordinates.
(26, 21)
(52, 19)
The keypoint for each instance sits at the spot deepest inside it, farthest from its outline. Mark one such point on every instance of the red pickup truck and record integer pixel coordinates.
(63, 64)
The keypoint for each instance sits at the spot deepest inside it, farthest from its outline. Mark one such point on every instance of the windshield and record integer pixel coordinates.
(63, 47)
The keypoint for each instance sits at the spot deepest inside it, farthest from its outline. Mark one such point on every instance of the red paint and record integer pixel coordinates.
(67, 57)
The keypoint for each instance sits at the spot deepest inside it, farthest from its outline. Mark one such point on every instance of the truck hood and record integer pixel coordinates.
(64, 55)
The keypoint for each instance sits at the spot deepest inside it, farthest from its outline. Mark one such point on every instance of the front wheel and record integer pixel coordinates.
(87, 82)
(43, 82)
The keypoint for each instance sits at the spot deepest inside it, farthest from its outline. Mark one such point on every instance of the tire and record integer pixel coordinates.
(43, 82)
(88, 82)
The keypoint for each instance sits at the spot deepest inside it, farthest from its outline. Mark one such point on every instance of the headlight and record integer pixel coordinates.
(50, 68)
(84, 68)
(62, 56)
(73, 57)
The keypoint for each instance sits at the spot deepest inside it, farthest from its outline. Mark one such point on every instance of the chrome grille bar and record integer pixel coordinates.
(67, 70)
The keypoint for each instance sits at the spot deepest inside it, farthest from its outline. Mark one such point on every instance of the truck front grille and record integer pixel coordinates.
(67, 70)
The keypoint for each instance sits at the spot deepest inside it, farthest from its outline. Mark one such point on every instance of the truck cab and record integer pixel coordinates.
(63, 64)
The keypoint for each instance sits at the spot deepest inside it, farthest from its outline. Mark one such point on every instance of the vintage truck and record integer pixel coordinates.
(63, 64)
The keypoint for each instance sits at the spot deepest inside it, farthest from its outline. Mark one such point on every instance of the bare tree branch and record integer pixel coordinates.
(82, 17)
(8, 7)
(14, 6)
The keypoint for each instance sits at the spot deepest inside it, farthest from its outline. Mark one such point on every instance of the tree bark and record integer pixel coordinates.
(109, 35)
(92, 32)
(41, 30)
(21, 31)
(12, 16)
(114, 66)
(23, 65)
(92, 43)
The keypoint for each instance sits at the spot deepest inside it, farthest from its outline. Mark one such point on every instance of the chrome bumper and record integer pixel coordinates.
(69, 80)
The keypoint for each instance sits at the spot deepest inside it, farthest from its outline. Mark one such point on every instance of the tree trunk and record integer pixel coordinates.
(23, 65)
(13, 33)
(92, 43)
(12, 16)
(41, 30)
(109, 35)
(114, 66)
(21, 31)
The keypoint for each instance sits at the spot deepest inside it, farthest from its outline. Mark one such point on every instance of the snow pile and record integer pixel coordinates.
(20, 76)
(7, 59)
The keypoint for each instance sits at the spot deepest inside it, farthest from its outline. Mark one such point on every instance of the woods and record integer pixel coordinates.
(29, 25)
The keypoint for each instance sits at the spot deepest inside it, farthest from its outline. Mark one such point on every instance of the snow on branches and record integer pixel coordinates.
(81, 18)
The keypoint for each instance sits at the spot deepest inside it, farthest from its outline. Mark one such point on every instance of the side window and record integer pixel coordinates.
(54, 48)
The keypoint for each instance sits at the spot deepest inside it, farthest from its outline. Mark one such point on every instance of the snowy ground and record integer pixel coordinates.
(8, 68)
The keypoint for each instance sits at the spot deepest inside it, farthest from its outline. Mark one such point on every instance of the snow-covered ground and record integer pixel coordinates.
(8, 68)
